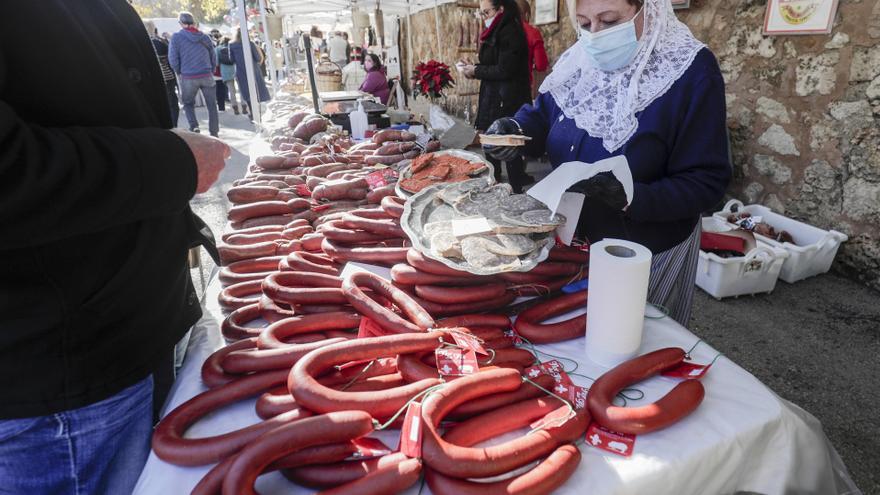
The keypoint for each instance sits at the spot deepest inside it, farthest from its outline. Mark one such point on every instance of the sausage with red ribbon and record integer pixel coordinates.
(329, 428)
(470, 462)
(418, 319)
(682, 400)
(309, 393)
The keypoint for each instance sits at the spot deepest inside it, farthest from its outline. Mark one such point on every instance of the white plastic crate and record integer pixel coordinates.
(754, 273)
(813, 250)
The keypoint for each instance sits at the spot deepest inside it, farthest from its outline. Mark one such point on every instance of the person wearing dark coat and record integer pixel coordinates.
(503, 73)
(95, 227)
(237, 52)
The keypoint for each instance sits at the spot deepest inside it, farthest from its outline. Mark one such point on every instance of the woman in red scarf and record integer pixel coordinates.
(503, 72)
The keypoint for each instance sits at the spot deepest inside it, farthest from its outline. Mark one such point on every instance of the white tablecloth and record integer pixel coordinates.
(742, 438)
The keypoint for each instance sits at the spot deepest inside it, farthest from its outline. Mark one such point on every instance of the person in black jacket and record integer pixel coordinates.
(504, 75)
(95, 226)
(161, 47)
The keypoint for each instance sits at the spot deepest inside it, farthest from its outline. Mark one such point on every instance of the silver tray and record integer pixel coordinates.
(425, 207)
(488, 175)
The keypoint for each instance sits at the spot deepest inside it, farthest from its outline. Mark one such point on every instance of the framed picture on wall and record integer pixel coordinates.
(681, 4)
(546, 12)
(799, 16)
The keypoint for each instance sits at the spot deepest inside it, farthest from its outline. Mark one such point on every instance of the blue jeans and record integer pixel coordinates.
(97, 449)
(188, 90)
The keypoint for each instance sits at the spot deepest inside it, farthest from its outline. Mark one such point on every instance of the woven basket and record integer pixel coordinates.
(328, 77)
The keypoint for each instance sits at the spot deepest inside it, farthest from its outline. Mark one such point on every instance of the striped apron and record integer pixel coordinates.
(673, 273)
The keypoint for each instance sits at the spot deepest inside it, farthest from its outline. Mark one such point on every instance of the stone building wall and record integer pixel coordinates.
(803, 112)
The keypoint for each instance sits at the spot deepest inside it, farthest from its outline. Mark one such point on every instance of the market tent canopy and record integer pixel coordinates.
(389, 7)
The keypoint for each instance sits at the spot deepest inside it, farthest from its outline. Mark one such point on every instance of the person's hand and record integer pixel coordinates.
(210, 154)
(603, 187)
(503, 126)
(469, 70)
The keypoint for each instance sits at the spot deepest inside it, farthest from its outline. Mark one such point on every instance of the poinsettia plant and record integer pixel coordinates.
(431, 78)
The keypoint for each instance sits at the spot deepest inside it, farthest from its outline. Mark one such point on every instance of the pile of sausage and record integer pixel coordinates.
(331, 360)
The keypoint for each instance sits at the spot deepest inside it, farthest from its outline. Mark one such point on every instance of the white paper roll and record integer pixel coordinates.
(619, 272)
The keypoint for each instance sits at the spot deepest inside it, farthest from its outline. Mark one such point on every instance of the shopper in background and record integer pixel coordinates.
(278, 58)
(237, 50)
(375, 83)
(220, 90)
(191, 55)
(96, 226)
(537, 54)
(337, 46)
(216, 36)
(347, 47)
(353, 74)
(161, 48)
(504, 76)
(227, 72)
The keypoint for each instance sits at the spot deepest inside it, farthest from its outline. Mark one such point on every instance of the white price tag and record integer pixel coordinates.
(470, 226)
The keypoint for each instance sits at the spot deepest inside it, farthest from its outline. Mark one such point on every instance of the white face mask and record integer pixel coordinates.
(488, 22)
(612, 48)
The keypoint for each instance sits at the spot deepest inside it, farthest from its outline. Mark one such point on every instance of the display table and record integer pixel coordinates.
(742, 438)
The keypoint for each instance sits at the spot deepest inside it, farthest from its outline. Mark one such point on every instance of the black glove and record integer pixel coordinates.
(603, 187)
(504, 125)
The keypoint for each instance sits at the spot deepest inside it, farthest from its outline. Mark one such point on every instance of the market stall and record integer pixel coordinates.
(327, 237)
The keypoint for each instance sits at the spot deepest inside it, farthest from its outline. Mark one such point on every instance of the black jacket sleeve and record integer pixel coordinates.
(57, 183)
(511, 56)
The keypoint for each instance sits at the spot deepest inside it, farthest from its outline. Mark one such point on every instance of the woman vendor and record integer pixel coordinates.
(638, 84)
(375, 82)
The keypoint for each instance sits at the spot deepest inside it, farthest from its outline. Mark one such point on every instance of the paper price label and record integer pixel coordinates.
(302, 190)
(469, 342)
(470, 226)
(600, 437)
(455, 362)
(578, 396)
(687, 370)
(411, 432)
(553, 368)
(555, 419)
(368, 448)
(381, 178)
(369, 328)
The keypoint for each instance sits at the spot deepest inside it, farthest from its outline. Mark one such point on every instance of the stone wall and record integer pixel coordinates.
(803, 112)
(458, 30)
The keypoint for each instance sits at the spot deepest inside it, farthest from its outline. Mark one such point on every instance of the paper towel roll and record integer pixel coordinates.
(619, 272)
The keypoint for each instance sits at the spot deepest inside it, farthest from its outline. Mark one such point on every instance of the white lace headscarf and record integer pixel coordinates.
(605, 103)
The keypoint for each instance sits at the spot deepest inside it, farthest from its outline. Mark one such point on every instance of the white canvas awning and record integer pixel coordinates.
(389, 7)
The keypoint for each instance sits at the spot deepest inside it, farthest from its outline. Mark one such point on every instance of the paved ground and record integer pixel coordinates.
(815, 343)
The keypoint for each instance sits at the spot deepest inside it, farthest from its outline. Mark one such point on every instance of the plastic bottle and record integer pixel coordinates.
(358, 120)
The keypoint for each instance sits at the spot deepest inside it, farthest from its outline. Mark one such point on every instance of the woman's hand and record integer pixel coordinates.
(504, 126)
(469, 70)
